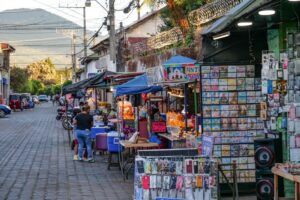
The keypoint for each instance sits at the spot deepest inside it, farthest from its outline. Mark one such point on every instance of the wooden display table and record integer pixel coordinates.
(175, 142)
(127, 144)
(295, 178)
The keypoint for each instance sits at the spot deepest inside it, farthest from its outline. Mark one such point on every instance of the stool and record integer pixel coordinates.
(113, 164)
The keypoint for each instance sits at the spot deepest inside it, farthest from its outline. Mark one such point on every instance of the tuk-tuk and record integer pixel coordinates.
(15, 102)
(27, 100)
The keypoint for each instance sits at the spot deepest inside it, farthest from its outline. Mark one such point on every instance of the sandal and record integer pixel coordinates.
(91, 161)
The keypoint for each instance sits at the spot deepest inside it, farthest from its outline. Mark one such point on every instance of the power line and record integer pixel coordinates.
(57, 9)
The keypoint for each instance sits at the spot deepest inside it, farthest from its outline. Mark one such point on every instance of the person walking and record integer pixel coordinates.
(84, 123)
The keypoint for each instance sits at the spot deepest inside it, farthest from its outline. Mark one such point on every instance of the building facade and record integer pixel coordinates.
(5, 50)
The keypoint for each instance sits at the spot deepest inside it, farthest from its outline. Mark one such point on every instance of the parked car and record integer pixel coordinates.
(43, 98)
(4, 110)
(15, 102)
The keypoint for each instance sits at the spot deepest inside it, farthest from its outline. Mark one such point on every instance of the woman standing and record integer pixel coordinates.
(84, 123)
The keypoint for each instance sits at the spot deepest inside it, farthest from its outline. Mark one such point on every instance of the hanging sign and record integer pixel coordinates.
(159, 127)
(182, 72)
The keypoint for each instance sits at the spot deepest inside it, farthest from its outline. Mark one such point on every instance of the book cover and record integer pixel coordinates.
(233, 98)
(214, 84)
(241, 84)
(206, 111)
(215, 111)
(231, 84)
(224, 111)
(224, 98)
(249, 83)
(215, 73)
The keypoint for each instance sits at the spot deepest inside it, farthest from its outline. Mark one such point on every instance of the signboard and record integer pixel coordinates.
(159, 127)
(182, 72)
(207, 145)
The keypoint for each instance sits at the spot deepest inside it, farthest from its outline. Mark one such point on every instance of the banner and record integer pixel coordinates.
(182, 72)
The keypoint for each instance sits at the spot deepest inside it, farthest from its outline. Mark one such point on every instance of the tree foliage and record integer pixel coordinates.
(43, 70)
(18, 79)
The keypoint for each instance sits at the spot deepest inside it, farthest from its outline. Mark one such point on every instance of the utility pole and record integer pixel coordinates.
(112, 32)
(73, 48)
(84, 41)
(138, 7)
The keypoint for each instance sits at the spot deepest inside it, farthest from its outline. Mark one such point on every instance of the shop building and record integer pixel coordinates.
(6, 49)
(263, 35)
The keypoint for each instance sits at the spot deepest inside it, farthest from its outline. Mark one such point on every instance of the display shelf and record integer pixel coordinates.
(230, 105)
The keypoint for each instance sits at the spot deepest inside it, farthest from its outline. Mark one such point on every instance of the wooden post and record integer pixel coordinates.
(276, 187)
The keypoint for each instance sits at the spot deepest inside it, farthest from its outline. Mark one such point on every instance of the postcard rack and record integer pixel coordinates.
(231, 96)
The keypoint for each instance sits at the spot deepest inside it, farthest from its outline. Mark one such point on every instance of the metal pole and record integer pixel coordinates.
(196, 108)
(73, 58)
(84, 41)
(185, 106)
(112, 34)
(138, 9)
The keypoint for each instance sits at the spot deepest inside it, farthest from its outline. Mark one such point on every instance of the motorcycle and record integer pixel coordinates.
(60, 112)
(67, 118)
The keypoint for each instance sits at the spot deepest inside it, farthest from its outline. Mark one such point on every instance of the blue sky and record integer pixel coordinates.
(95, 14)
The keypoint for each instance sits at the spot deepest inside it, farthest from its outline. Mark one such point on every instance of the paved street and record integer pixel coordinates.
(36, 163)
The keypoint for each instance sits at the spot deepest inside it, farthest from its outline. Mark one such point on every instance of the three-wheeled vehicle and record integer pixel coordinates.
(15, 102)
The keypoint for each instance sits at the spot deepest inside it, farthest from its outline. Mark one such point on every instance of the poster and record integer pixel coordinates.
(182, 72)
(175, 73)
(192, 71)
(207, 146)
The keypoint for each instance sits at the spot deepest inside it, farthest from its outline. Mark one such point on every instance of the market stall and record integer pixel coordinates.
(181, 81)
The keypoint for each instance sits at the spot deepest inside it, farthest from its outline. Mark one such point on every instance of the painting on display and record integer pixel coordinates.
(181, 72)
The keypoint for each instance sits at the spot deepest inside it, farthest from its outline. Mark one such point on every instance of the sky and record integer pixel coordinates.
(94, 14)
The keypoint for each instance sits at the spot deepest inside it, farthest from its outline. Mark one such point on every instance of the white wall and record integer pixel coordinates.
(146, 28)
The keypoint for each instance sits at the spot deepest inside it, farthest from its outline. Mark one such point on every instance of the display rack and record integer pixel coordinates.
(175, 177)
(293, 79)
(230, 104)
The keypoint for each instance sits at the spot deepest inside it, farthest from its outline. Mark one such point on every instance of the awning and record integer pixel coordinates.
(244, 8)
(86, 83)
(178, 59)
(114, 79)
(138, 85)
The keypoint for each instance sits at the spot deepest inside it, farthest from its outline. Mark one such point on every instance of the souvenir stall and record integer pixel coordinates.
(126, 112)
(181, 82)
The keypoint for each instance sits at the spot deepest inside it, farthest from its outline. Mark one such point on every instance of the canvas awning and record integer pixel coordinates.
(87, 83)
(138, 85)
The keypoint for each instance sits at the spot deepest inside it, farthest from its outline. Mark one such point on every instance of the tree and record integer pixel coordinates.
(43, 70)
(67, 83)
(18, 79)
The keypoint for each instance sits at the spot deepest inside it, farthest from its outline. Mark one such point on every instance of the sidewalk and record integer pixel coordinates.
(36, 163)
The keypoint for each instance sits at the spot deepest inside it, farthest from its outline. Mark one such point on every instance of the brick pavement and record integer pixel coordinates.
(36, 163)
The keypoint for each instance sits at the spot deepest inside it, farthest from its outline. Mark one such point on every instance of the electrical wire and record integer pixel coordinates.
(41, 39)
(68, 14)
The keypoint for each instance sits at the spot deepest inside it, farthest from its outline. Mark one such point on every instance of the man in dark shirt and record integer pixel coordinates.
(84, 123)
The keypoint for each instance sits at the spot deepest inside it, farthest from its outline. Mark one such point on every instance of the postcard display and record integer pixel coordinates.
(294, 96)
(274, 91)
(230, 100)
(175, 178)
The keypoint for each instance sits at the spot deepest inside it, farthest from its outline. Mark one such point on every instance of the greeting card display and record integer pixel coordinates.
(233, 121)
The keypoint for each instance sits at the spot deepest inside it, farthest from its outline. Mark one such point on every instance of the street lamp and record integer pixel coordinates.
(88, 3)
